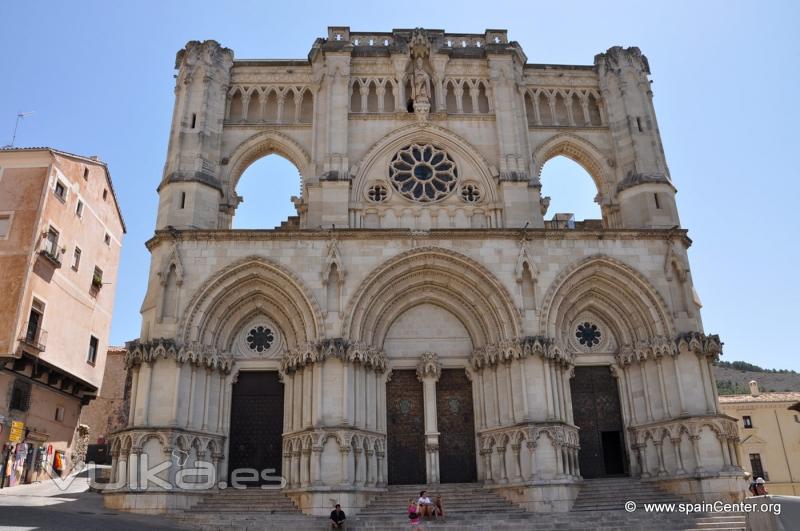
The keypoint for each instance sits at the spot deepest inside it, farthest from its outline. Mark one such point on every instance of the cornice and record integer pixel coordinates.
(167, 236)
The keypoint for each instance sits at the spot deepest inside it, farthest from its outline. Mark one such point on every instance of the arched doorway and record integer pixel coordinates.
(256, 428)
(597, 412)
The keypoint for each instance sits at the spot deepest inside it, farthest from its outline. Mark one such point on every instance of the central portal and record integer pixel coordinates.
(405, 429)
(256, 427)
(597, 412)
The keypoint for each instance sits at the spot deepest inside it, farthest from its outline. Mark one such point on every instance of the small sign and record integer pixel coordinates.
(17, 432)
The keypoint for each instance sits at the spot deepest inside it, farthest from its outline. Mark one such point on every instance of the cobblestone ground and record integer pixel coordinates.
(46, 506)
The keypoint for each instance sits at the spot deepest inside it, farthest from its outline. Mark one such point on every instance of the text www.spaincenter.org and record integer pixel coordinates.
(715, 507)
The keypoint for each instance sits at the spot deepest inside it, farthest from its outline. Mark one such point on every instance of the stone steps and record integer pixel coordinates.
(469, 507)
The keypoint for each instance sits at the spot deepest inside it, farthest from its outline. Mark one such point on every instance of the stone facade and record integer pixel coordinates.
(769, 429)
(109, 411)
(61, 235)
(421, 244)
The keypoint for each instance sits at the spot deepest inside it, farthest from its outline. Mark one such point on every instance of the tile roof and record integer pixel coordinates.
(787, 396)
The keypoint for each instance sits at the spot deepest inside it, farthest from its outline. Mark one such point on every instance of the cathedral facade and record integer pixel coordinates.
(419, 321)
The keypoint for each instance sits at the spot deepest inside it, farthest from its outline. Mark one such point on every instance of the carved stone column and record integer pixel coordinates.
(346, 469)
(486, 453)
(428, 372)
(676, 446)
(501, 452)
(517, 478)
(305, 467)
(697, 458)
(379, 457)
(532, 449)
(316, 465)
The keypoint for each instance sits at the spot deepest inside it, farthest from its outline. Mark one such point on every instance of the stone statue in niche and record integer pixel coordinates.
(422, 82)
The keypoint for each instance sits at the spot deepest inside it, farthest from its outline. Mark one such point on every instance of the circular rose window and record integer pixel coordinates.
(423, 173)
(260, 338)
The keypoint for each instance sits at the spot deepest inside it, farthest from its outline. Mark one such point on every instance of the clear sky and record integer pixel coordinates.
(99, 76)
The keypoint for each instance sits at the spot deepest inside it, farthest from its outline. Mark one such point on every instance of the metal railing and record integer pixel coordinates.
(34, 336)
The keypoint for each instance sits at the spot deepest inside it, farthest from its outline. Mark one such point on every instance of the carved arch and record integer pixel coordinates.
(253, 282)
(260, 145)
(623, 296)
(579, 150)
(446, 139)
(438, 276)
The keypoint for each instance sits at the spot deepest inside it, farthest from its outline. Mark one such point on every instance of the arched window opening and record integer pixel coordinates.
(307, 108)
(466, 100)
(450, 99)
(543, 101)
(594, 111)
(483, 99)
(388, 98)
(561, 110)
(236, 113)
(271, 107)
(266, 187)
(577, 111)
(571, 190)
(529, 110)
(254, 107)
(372, 97)
(170, 302)
(355, 97)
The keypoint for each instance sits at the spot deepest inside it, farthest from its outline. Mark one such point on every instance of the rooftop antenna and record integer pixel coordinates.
(20, 115)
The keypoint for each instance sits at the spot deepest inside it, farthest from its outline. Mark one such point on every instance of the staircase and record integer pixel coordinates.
(468, 506)
(252, 508)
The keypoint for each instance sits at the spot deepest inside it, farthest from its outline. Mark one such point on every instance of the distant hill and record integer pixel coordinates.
(733, 378)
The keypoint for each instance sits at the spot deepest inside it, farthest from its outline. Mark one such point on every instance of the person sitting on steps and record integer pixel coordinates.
(425, 505)
(438, 507)
(337, 518)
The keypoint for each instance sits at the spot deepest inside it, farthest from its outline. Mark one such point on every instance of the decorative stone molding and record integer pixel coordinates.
(429, 366)
(507, 351)
(700, 343)
(338, 348)
(132, 440)
(658, 347)
(149, 351)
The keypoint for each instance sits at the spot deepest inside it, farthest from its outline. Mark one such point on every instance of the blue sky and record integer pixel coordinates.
(99, 77)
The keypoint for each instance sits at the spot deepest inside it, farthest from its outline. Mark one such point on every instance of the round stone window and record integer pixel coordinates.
(423, 173)
(260, 338)
(588, 334)
(377, 193)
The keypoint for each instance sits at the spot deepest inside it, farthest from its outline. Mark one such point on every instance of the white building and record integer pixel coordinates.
(420, 320)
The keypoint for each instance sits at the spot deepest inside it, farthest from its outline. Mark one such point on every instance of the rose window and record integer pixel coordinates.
(423, 173)
(588, 334)
(471, 193)
(260, 338)
(377, 193)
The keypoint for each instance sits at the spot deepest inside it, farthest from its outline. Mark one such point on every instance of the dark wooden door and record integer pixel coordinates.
(405, 429)
(456, 424)
(256, 424)
(597, 412)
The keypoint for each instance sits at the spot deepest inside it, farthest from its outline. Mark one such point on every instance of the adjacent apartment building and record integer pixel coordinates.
(61, 233)
(769, 428)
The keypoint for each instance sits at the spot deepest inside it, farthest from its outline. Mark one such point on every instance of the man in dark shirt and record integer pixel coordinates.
(337, 517)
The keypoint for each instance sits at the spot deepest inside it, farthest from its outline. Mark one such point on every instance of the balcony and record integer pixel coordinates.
(51, 252)
(34, 336)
